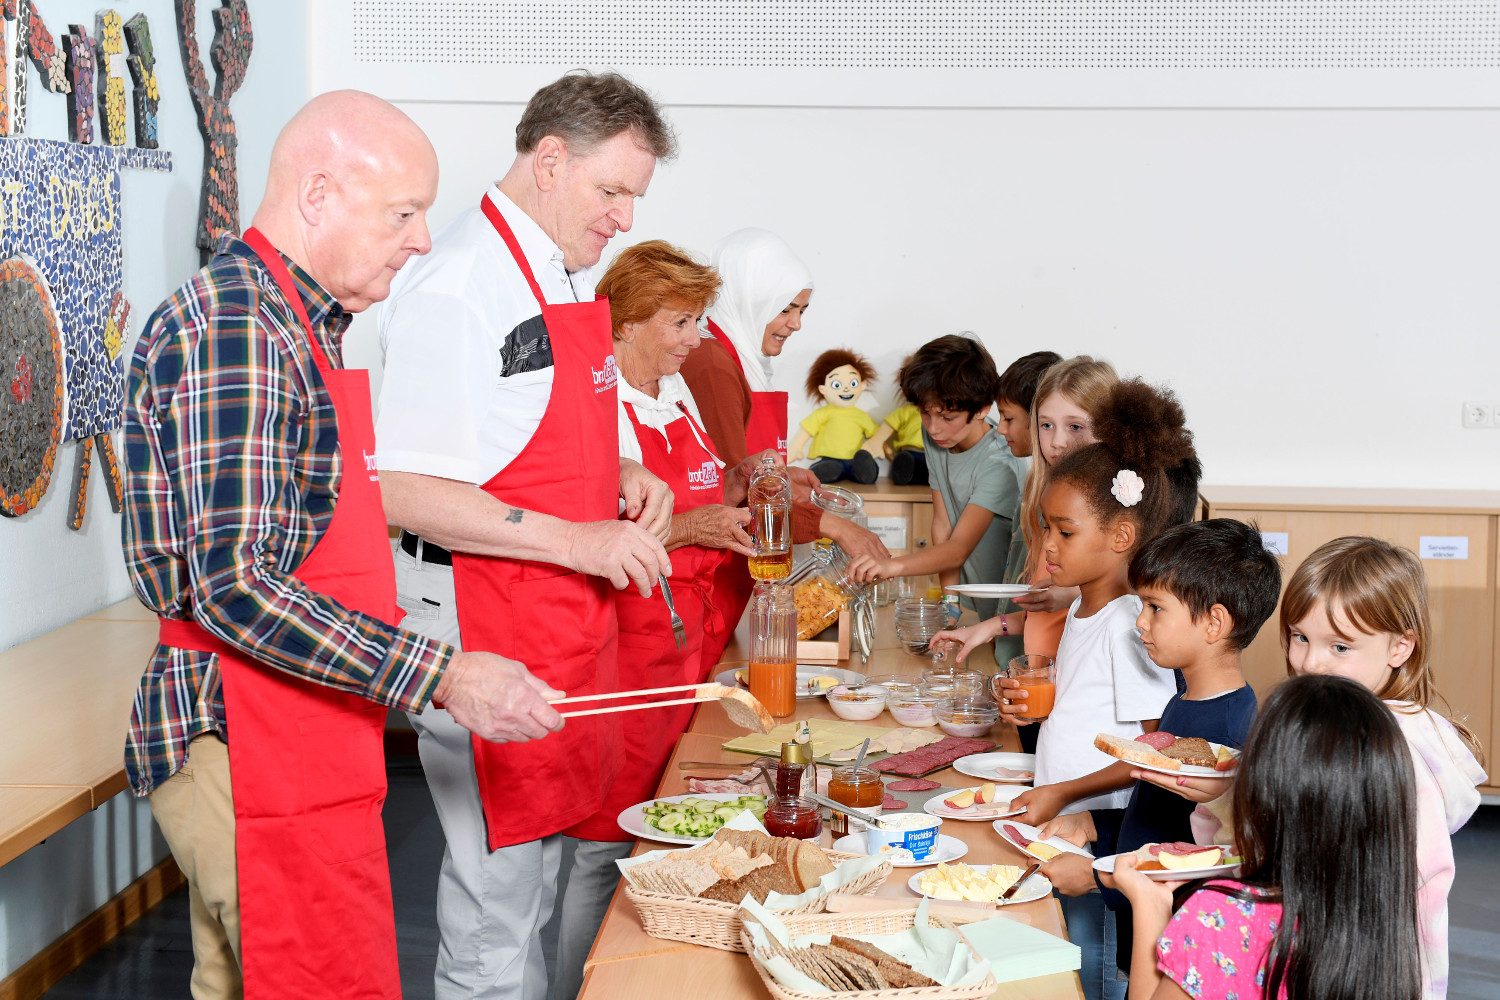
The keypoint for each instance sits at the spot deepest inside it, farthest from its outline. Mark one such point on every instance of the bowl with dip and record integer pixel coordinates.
(911, 706)
(857, 704)
(970, 718)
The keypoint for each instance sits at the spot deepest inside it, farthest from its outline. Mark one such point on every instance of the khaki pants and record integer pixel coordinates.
(195, 810)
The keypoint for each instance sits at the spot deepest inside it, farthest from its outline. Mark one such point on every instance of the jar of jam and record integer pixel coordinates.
(794, 817)
(794, 775)
(858, 787)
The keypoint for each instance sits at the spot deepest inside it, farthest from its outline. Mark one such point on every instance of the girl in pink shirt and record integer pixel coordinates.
(1325, 907)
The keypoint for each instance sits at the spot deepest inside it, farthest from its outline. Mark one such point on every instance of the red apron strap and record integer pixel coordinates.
(713, 328)
(271, 257)
(487, 205)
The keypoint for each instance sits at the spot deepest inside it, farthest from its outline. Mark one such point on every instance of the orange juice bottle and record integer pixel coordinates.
(773, 648)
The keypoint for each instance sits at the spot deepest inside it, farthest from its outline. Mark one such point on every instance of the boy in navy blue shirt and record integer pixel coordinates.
(1205, 588)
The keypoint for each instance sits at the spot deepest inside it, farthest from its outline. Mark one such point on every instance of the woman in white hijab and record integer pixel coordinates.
(766, 290)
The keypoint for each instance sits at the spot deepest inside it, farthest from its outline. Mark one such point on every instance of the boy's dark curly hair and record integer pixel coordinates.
(1143, 429)
(836, 358)
(953, 372)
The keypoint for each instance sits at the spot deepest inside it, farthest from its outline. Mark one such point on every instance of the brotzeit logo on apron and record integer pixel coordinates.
(371, 467)
(605, 379)
(706, 477)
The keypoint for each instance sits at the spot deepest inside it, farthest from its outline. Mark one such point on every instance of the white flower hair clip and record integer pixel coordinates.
(1127, 488)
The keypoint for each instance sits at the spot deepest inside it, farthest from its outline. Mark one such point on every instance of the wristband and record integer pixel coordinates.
(1004, 626)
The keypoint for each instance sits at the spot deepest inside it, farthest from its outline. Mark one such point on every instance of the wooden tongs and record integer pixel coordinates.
(743, 709)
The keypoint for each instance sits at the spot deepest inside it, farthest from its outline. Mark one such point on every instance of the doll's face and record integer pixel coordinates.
(842, 386)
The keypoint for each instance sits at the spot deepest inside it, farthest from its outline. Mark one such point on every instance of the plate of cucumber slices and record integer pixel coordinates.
(688, 819)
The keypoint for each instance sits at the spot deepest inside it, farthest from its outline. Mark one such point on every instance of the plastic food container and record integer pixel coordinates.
(911, 706)
(914, 832)
(966, 718)
(857, 704)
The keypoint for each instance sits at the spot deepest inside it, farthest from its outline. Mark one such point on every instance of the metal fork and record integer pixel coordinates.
(678, 631)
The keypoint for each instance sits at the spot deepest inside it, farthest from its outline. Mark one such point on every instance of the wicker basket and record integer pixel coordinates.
(717, 925)
(866, 923)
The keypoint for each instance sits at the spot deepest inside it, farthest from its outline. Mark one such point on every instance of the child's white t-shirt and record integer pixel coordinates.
(1105, 684)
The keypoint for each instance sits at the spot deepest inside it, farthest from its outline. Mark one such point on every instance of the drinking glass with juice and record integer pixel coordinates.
(1038, 677)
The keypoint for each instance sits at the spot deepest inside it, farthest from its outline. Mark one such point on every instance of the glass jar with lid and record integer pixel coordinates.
(841, 503)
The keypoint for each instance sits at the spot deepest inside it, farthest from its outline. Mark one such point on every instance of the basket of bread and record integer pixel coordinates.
(900, 954)
(694, 894)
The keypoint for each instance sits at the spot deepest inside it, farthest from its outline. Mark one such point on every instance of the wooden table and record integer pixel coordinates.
(627, 963)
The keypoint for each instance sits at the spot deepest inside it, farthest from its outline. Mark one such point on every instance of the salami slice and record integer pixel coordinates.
(891, 802)
(1179, 848)
(1158, 740)
(913, 785)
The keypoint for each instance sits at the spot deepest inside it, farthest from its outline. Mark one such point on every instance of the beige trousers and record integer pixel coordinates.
(195, 810)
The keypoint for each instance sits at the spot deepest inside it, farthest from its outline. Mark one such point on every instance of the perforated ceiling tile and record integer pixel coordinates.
(933, 34)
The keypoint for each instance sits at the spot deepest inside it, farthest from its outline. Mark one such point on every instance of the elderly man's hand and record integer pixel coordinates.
(715, 526)
(622, 552)
(497, 699)
(648, 500)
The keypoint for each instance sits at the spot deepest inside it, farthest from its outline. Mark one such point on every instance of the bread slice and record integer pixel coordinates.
(1193, 750)
(1134, 753)
(810, 863)
(864, 948)
(896, 973)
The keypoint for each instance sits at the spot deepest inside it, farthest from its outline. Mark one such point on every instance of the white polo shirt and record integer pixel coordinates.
(468, 365)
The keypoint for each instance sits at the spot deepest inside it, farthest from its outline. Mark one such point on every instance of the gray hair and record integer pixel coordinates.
(586, 109)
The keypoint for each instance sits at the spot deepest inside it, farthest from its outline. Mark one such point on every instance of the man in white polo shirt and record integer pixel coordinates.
(498, 452)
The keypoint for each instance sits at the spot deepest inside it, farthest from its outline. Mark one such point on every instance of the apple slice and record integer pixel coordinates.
(986, 793)
(962, 800)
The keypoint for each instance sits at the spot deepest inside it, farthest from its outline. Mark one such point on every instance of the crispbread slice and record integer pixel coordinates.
(731, 867)
(1133, 752)
(864, 948)
(857, 969)
(901, 976)
(757, 884)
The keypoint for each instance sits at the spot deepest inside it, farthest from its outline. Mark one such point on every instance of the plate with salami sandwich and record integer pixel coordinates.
(1177, 862)
(1161, 751)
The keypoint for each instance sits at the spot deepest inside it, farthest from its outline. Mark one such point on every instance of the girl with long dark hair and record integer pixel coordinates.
(1325, 907)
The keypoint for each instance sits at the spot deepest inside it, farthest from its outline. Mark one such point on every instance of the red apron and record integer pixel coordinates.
(768, 410)
(307, 762)
(649, 656)
(561, 624)
(732, 580)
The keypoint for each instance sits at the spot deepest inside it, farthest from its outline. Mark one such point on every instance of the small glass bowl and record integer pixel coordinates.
(911, 706)
(968, 718)
(858, 704)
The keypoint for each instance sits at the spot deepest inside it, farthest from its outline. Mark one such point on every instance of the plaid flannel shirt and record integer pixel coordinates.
(231, 473)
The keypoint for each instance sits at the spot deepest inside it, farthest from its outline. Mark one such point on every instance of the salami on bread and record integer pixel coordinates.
(1134, 752)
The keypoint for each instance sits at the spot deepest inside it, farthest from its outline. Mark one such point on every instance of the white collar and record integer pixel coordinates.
(659, 412)
(540, 252)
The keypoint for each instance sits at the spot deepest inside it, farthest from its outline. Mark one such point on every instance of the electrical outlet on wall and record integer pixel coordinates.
(1479, 415)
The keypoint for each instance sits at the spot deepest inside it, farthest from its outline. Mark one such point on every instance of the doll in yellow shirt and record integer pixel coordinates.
(900, 434)
(834, 433)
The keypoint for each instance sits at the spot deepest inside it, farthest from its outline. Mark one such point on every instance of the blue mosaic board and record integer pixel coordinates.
(60, 207)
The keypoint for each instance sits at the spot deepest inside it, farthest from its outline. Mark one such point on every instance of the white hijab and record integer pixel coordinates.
(761, 275)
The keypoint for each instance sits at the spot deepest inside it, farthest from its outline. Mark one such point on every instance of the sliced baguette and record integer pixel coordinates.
(1134, 753)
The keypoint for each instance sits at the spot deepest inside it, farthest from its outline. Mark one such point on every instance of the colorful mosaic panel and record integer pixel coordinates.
(109, 51)
(31, 386)
(80, 50)
(219, 211)
(60, 206)
(147, 95)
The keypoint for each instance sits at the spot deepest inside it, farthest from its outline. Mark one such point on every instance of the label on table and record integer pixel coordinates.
(890, 530)
(1278, 543)
(1443, 547)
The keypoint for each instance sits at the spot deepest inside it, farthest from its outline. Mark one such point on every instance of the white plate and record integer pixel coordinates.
(1107, 865)
(976, 813)
(633, 820)
(982, 765)
(805, 673)
(1030, 833)
(1192, 770)
(990, 589)
(1034, 888)
(947, 849)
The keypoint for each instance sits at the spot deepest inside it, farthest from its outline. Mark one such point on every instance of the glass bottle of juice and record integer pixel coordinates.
(773, 648)
(770, 500)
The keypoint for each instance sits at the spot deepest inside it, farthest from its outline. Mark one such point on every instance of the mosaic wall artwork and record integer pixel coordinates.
(142, 64)
(60, 209)
(219, 211)
(109, 59)
(31, 386)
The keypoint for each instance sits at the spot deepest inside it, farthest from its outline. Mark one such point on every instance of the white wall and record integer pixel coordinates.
(1319, 286)
(50, 574)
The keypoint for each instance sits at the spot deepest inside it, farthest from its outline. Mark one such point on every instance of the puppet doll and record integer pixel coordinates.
(838, 428)
(900, 435)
